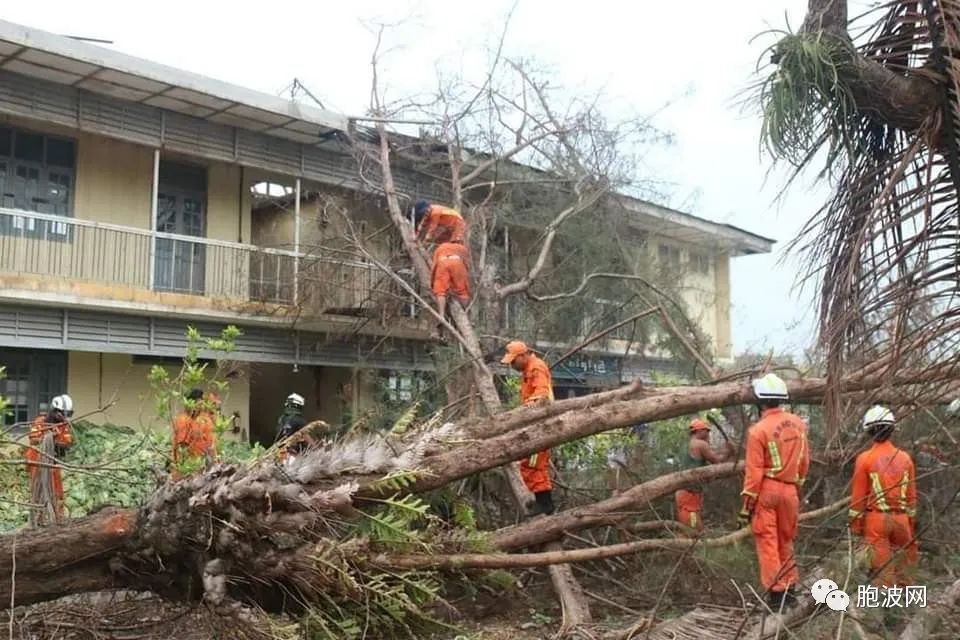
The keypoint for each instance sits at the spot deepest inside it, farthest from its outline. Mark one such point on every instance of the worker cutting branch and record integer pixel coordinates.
(438, 223)
(689, 500)
(883, 501)
(536, 387)
(41, 466)
(777, 461)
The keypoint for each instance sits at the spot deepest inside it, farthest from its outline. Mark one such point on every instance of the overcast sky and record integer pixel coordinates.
(696, 55)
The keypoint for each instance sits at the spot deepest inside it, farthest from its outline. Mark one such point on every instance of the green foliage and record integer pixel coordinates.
(396, 482)
(395, 525)
(170, 392)
(805, 102)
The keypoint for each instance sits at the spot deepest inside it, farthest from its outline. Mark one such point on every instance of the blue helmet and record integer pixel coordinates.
(420, 209)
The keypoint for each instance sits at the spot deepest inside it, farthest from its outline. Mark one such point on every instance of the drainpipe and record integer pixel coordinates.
(296, 244)
(154, 196)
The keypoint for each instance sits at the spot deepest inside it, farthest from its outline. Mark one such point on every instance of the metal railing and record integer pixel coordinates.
(71, 249)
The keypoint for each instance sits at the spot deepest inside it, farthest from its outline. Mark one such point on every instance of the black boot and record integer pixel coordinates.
(545, 502)
(776, 599)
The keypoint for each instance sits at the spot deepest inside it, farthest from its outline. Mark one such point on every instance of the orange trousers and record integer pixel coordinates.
(690, 508)
(56, 481)
(451, 273)
(774, 530)
(535, 472)
(887, 534)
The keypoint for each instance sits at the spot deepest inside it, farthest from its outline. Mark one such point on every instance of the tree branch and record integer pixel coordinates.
(524, 283)
(543, 559)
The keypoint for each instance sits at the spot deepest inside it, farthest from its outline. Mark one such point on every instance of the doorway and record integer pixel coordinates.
(181, 210)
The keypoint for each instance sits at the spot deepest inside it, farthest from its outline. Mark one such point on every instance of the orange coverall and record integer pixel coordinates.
(689, 507)
(883, 503)
(195, 432)
(777, 461)
(450, 271)
(537, 384)
(62, 437)
(449, 220)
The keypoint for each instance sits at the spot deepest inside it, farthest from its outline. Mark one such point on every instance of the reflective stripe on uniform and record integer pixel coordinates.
(878, 492)
(776, 462)
(853, 514)
(532, 460)
(693, 519)
(904, 483)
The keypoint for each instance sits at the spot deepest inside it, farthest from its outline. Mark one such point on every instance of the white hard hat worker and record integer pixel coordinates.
(770, 389)
(879, 422)
(63, 405)
(295, 400)
(954, 407)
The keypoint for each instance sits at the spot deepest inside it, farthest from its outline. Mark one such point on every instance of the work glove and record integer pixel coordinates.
(746, 511)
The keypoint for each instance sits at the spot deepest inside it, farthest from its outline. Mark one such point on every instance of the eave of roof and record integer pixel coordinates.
(67, 61)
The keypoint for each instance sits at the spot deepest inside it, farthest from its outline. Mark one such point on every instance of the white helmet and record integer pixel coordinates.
(63, 404)
(954, 407)
(876, 416)
(295, 399)
(770, 387)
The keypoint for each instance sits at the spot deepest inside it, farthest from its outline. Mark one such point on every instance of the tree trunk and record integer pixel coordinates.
(254, 518)
(606, 512)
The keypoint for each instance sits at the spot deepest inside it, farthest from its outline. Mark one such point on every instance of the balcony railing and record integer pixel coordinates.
(70, 249)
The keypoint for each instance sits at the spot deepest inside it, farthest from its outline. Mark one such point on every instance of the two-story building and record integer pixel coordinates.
(137, 199)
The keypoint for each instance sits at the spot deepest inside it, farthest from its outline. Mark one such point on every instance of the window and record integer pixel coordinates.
(37, 173)
(33, 379)
(700, 262)
(401, 387)
(669, 256)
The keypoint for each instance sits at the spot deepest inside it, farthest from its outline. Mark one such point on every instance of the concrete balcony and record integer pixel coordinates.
(47, 259)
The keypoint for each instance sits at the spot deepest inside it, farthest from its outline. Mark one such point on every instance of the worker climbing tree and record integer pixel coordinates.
(438, 223)
(449, 273)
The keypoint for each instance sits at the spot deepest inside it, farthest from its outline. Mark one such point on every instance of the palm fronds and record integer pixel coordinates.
(885, 249)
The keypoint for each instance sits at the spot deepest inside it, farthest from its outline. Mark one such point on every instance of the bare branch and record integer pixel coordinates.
(583, 203)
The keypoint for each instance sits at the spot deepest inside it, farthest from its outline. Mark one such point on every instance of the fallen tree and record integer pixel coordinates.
(258, 520)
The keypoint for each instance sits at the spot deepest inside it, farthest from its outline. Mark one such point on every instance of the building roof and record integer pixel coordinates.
(67, 61)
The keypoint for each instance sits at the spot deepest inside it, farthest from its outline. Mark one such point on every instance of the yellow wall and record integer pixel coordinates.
(94, 379)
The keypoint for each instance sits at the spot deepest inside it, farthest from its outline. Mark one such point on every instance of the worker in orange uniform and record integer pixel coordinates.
(883, 501)
(536, 387)
(777, 461)
(689, 500)
(56, 421)
(193, 435)
(450, 273)
(435, 222)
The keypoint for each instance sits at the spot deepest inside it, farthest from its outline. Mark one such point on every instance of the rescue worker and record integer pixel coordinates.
(57, 421)
(435, 222)
(194, 441)
(777, 461)
(450, 273)
(883, 501)
(689, 500)
(292, 407)
(536, 387)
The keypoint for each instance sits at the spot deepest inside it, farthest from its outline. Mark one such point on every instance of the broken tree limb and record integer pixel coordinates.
(928, 619)
(600, 334)
(547, 558)
(606, 511)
